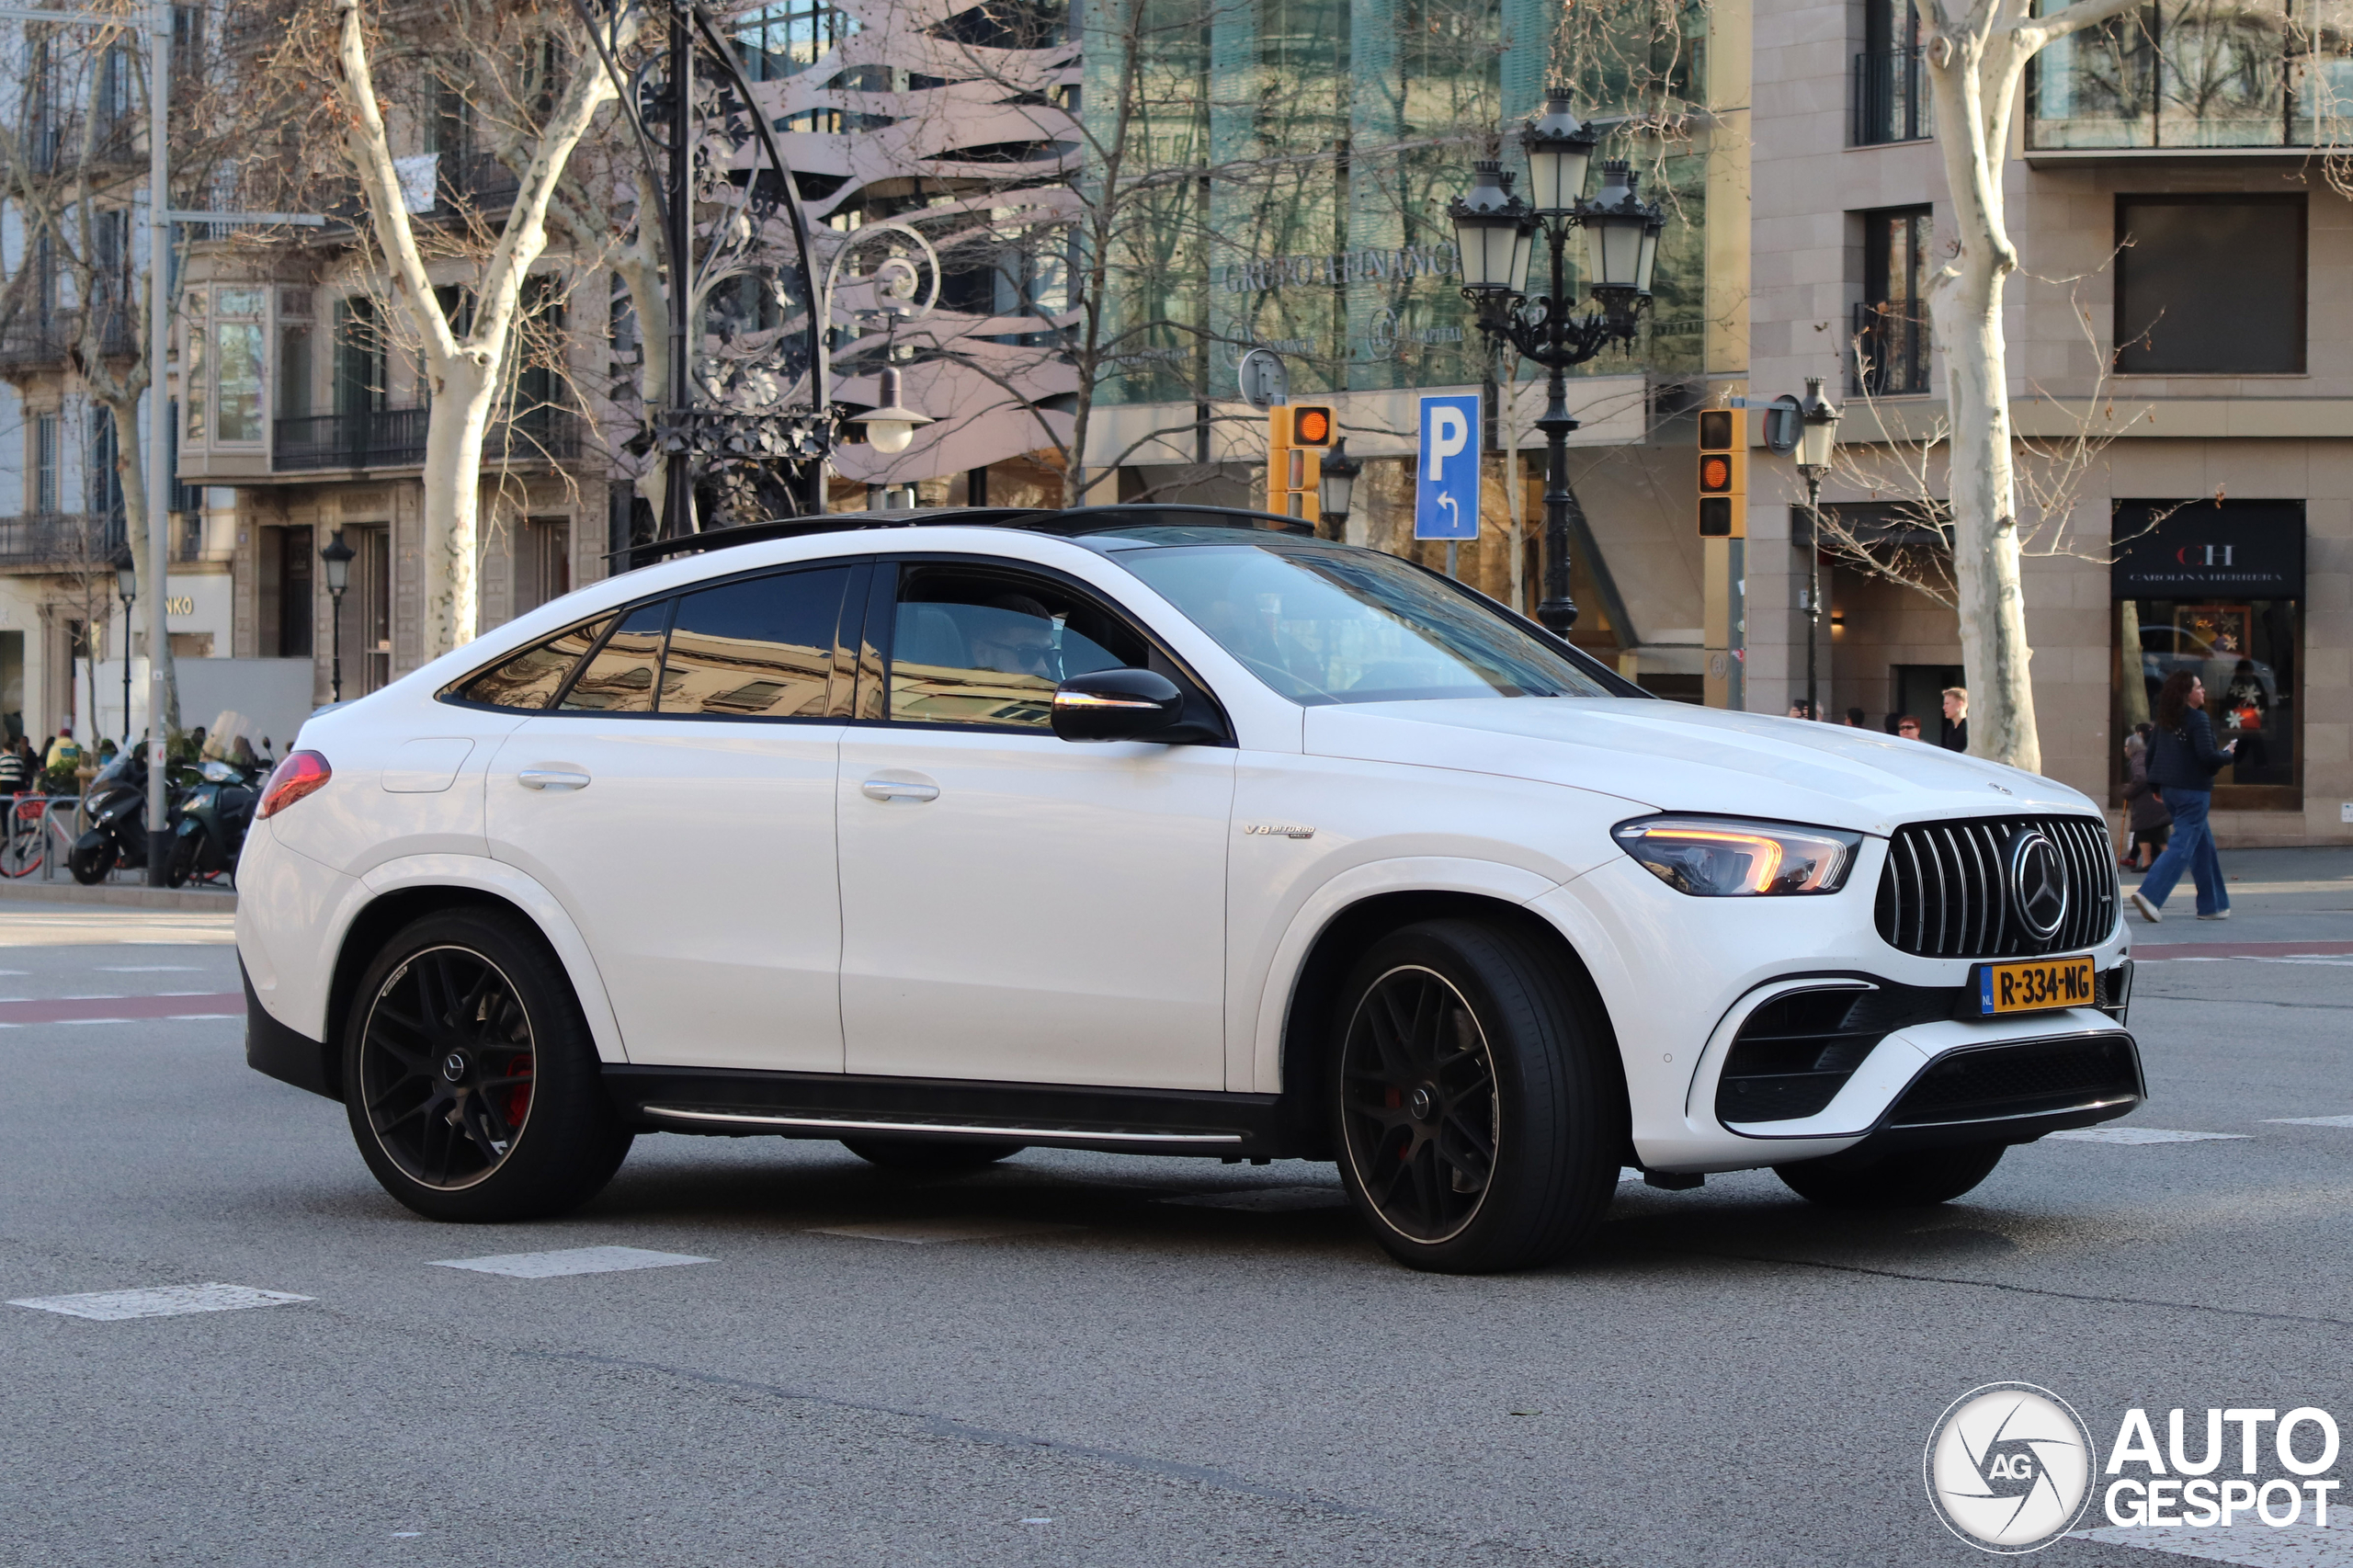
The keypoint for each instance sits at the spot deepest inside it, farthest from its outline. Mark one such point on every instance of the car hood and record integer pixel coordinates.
(1676, 756)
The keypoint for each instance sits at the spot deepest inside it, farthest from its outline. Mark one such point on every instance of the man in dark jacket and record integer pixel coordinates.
(1957, 716)
(2183, 760)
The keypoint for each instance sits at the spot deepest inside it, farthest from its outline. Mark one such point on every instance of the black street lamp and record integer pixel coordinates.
(337, 557)
(1495, 234)
(1817, 437)
(126, 586)
(1339, 486)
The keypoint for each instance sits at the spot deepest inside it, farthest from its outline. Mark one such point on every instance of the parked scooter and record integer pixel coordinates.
(214, 816)
(117, 806)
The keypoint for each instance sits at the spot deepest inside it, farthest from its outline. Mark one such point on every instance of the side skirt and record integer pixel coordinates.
(1058, 1116)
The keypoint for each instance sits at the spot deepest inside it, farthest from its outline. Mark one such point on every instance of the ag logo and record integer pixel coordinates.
(2009, 1468)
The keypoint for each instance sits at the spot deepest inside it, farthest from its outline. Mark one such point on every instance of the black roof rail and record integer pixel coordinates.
(1068, 521)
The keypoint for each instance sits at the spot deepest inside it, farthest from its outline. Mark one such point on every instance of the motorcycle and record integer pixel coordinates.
(214, 816)
(116, 804)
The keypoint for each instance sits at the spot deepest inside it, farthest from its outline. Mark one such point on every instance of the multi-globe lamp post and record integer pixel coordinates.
(1495, 232)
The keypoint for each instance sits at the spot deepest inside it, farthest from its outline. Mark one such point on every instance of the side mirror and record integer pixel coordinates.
(1117, 705)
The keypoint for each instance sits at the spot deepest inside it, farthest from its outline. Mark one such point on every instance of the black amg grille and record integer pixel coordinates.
(2033, 1078)
(1946, 893)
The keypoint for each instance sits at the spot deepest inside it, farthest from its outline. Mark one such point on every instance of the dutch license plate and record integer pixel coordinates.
(2033, 985)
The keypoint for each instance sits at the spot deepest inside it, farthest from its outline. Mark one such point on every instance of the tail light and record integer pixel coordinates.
(299, 775)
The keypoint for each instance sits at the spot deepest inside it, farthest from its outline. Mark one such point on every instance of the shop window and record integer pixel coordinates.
(2177, 255)
(2217, 589)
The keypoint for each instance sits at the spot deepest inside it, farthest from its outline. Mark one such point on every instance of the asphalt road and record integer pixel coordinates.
(1089, 1359)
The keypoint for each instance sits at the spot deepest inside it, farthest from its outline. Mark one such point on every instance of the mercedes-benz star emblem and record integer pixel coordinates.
(2038, 882)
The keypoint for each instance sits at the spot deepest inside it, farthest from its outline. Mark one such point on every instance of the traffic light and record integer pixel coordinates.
(1723, 475)
(1294, 466)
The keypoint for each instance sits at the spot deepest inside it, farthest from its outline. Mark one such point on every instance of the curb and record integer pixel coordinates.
(127, 896)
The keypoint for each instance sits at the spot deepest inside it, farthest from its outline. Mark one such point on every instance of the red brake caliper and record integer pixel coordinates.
(518, 1096)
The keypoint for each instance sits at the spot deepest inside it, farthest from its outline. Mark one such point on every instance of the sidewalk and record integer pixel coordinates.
(64, 891)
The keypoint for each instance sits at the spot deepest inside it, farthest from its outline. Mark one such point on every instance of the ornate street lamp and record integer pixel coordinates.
(1817, 439)
(337, 557)
(750, 398)
(126, 587)
(1339, 486)
(1495, 232)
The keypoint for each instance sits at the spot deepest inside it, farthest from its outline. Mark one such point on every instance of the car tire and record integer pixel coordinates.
(1478, 1109)
(471, 1081)
(1914, 1178)
(936, 1155)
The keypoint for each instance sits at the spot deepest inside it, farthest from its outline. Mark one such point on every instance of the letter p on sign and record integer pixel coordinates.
(1446, 503)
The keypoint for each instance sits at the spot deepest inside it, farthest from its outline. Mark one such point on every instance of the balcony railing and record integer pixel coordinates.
(375, 437)
(394, 437)
(1890, 350)
(40, 339)
(61, 539)
(1890, 98)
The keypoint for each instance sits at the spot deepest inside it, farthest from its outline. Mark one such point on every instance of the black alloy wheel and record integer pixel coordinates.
(1418, 1096)
(471, 1084)
(1478, 1106)
(446, 1065)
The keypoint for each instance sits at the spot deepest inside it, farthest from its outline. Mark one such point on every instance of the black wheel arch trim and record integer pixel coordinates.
(286, 1053)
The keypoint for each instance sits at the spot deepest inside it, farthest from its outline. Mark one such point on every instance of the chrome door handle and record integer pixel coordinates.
(898, 790)
(551, 779)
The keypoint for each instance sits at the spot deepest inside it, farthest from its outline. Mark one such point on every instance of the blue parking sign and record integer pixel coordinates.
(1445, 498)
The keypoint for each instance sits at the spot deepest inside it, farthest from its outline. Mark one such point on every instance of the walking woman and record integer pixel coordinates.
(2183, 761)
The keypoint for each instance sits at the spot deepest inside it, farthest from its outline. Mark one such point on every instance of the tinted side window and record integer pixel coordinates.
(533, 677)
(985, 647)
(761, 648)
(619, 678)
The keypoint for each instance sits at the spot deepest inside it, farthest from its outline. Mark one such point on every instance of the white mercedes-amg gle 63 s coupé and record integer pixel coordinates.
(1166, 830)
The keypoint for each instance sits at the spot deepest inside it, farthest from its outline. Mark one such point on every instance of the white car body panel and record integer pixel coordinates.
(996, 932)
(698, 861)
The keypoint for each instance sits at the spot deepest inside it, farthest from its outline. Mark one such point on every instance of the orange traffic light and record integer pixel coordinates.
(1723, 475)
(1310, 426)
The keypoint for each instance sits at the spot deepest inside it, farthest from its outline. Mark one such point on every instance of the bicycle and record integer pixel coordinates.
(26, 835)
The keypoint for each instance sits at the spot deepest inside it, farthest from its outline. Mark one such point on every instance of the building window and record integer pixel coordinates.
(237, 345)
(2177, 256)
(2216, 588)
(1891, 339)
(45, 462)
(1889, 96)
(781, 40)
(105, 477)
(543, 562)
(359, 382)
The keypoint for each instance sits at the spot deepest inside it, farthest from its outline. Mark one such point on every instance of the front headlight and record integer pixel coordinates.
(1727, 858)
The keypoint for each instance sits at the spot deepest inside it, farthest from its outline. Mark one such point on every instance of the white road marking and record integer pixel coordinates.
(1627, 1174)
(2298, 1545)
(2311, 1121)
(1267, 1199)
(927, 1232)
(96, 1021)
(197, 1018)
(569, 1260)
(162, 1301)
(2139, 1135)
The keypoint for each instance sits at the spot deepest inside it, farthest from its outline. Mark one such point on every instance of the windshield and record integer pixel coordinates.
(1326, 624)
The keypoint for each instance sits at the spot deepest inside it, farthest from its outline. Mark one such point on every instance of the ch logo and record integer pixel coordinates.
(2203, 554)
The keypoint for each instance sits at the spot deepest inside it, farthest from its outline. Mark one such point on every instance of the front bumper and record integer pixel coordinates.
(1682, 976)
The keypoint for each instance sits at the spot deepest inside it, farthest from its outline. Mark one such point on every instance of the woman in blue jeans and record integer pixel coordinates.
(2183, 760)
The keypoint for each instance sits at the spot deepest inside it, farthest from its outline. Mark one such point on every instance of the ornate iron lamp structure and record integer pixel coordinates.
(750, 397)
(1496, 234)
